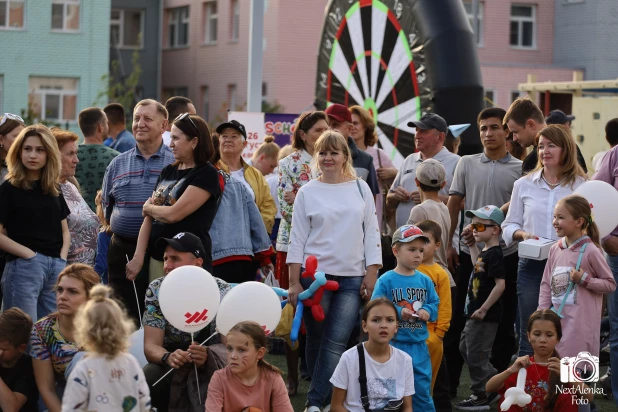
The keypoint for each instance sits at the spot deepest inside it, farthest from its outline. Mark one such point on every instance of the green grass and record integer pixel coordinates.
(298, 401)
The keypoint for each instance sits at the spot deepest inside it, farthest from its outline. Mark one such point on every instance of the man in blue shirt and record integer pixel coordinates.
(129, 181)
(121, 139)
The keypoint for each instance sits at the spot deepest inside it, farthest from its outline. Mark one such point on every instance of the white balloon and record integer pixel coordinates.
(249, 301)
(137, 347)
(189, 298)
(603, 198)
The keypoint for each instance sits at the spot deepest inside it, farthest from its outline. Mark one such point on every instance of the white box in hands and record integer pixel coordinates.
(536, 249)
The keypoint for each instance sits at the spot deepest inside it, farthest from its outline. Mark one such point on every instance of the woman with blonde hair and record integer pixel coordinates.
(107, 373)
(83, 223)
(333, 210)
(53, 340)
(34, 214)
(557, 175)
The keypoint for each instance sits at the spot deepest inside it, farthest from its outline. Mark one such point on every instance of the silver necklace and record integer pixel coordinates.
(552, 185)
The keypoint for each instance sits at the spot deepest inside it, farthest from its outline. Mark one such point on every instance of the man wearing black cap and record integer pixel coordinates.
(431, 131)
(164, 345)
(559, 117)
(232, 142)
(340, 120)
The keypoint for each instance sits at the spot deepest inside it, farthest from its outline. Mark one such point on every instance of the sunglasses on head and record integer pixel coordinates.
(12, 117)
(481, 227)
(183, 116)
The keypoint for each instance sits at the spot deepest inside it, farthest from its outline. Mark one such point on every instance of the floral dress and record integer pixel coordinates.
(294, 172)
(83, 226)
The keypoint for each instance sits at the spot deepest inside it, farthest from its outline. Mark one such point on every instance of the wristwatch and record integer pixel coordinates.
(164, 358)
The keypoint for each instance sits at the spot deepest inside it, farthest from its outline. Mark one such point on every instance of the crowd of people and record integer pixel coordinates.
(425, 257)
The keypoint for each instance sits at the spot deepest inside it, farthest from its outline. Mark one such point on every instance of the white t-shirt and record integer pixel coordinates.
(100, 384)
(388, 381)
(240, 176)
(273, 184)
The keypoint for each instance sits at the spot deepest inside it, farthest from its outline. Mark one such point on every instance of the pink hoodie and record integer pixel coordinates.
(581, 322)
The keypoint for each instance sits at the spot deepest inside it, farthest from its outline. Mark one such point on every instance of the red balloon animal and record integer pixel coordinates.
(315, 302)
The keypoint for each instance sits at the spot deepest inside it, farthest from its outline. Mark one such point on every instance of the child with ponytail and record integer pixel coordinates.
(107, 378)
(576, 277)
(542, 369)
(248, 382)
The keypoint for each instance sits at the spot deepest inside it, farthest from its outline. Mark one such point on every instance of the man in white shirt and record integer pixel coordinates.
(176, 106)
(483, 179)
(431, 132)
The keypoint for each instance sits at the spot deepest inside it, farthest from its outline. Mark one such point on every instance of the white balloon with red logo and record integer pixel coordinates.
(249, 301)
(189, 298)
(603, 199)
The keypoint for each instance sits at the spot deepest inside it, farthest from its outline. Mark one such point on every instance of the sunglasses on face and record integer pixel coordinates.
(184, 116)
(12, 117)
(481, 227)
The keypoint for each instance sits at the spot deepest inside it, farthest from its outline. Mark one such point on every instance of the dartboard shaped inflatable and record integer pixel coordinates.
(400, 59)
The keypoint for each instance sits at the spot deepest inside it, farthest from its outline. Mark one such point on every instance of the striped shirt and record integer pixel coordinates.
(129, 181)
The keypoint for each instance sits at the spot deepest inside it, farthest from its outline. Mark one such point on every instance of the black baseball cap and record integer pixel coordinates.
(430, 121)
(234, 124)
(182, 242)
(558, 117)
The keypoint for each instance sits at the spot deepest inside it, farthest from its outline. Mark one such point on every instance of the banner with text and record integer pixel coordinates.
(258, 125)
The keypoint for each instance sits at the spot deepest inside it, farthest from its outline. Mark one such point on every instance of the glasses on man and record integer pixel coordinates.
(481, 227)
(183, 116)
(12, 117)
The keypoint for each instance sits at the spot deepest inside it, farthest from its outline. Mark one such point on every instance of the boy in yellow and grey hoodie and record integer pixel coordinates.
(441, 281)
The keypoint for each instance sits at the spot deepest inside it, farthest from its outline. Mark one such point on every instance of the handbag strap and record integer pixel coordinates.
(384, 190)
(362, 378)
(361, 193)
(581, 255)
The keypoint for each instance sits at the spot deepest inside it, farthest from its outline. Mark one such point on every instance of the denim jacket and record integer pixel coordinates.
(238, 228)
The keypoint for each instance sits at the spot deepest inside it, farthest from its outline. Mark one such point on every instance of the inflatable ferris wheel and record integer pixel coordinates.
(399, 59)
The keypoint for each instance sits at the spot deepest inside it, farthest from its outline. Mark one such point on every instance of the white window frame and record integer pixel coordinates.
(480, 14)
(8, 15)
(65, 4)
(62, 93)
(120, 24)
(176, 19)
(520, 21)
(494, 98)
(235, 23)
(210, 18)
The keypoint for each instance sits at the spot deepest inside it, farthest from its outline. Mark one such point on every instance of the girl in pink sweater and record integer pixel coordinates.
(578, 292)
(248, 381)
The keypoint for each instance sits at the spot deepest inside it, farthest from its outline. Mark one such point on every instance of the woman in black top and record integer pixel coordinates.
(185, 197)
(34, 214)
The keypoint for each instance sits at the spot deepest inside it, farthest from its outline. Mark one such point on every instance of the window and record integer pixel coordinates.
(515, 95)
(478, 31)
(489, 98)
(126, 28)
(264, 90)
(205, 103)
(231, 94)
(235, 19)
(210, 29)
(65, 15)
(53, 98)
(523, 26)
(12, 14)
(179, 27)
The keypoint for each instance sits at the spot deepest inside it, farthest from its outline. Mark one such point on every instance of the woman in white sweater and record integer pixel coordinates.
(334, 219)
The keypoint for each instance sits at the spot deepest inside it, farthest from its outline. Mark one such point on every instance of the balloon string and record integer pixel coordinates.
(170, 371)
(197, 379)
(139, 310)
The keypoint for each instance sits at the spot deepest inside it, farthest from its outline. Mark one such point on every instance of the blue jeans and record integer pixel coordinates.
(327, 340)
(29, 284)
(529, 276)
(612, 306)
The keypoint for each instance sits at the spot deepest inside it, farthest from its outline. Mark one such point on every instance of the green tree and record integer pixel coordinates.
(120, 87)
(272, 107)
